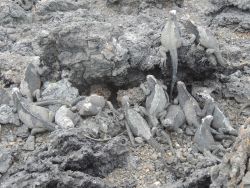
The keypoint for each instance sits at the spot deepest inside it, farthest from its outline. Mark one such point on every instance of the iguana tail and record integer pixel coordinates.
(174, 60)
(220, 59)
(52, 102)
(158, 148)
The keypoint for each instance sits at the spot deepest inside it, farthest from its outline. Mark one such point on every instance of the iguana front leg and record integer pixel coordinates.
(35, 131)
(130, 134)
(37, 94)
(220, 59)
(211, 57)
(145, 90)
(163, 52)
(167, 137)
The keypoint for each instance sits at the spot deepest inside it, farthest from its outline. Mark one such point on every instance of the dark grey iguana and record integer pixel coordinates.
(37, 118)
(220, 122)
(138, 126)
(31, 84)
(204, 139)
(190, 107)
(157, 102)
(206, 39)
(170, 42)
(157, 99)
(173, 118)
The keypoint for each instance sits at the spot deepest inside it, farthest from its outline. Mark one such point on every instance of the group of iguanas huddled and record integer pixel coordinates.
(161, 116)
(157, 116)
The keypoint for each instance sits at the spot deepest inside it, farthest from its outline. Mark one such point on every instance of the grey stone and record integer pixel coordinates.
(65, 118)
(7, 116)
(69, 159)
(29, 144)
(133, 161)
(59, 90)
(22, 131)
(4, 97)
(5, 160)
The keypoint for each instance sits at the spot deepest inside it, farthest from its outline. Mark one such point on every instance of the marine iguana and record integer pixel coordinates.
(190, 107)
(206, 39)
(220, 122)
(138, 126)
(173, 118)
(31, 84)
(37, 118)
(157, 99)
(170, 42)
(204, 139)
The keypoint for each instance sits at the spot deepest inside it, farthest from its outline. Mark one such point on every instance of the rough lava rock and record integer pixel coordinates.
(7, 116)
(230, 13)
(69, 160)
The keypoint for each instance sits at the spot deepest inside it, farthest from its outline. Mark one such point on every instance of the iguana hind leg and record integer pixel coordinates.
(167, 137)
(35, 131)
(37, 94)
(163, 53)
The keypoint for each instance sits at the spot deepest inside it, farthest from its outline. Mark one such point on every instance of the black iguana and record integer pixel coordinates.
(204, 139)
(157, 98)
(205, 38)
(137, 125)
(170, 42)
(190, 107)
(220, 122)
(31, 84)
(37, 118)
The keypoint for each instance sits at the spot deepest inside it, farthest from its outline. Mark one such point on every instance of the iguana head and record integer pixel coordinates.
(172, 14)
(151, 81)
(183, 94)
(205, 96)
(206, 121)
(15, 90)
(15, 95)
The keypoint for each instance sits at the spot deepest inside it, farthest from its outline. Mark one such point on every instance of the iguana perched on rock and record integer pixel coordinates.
(206, 39)
(37, 118)
(220, 122)
(31, 84)
(170, 42)
(173, 118)
(190, 107)
(204, 139)
(157, 99)
(137, 125)
(157, 102)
